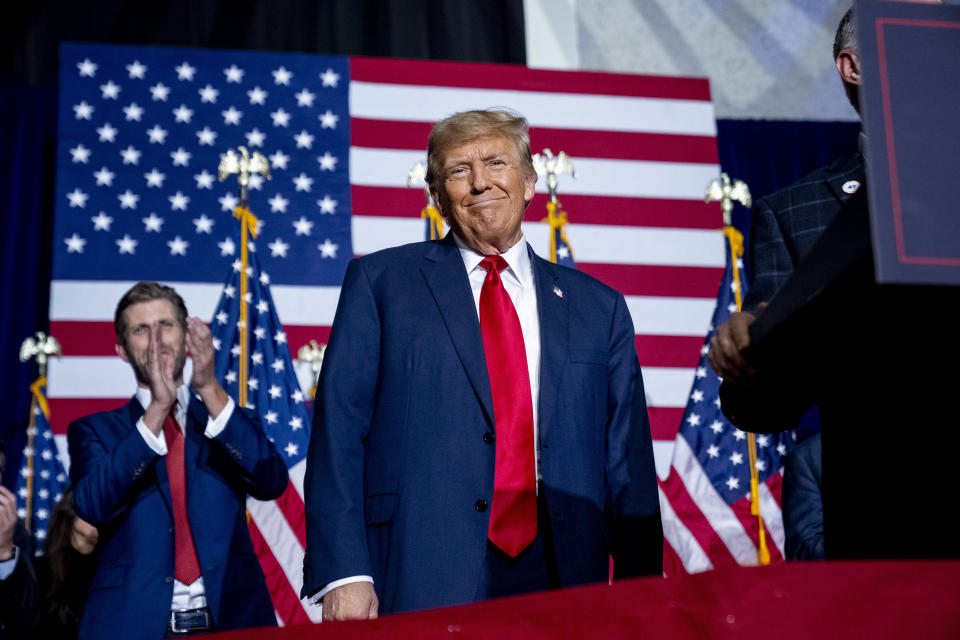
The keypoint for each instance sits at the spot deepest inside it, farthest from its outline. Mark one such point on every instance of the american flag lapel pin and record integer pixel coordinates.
(558, 291)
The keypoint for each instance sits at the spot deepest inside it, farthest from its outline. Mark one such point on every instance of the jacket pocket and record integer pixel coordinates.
(380, 508)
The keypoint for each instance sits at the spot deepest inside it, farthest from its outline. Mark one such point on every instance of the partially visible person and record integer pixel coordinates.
(803, 501)
(165, 479)
(19, 594)
(785, 224)
(65, 570)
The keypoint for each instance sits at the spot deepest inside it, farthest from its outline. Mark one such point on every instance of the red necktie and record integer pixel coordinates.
(513, 514)
(186, 564)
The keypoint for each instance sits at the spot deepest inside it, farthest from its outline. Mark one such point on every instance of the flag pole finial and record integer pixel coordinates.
(244, 164)
(312, 352)
(726, 192)
(416, 177)
(548, 165)
(40, 347)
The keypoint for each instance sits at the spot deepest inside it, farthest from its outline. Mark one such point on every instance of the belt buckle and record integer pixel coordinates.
(189, 613)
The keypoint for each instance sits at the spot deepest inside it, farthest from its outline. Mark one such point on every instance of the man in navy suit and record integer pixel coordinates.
(480, 427)
(165, 479)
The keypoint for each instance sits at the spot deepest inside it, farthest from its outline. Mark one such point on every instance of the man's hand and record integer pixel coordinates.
(8, 520)
(163, 388)
(200, 346)
(352, 601)
(726, 349)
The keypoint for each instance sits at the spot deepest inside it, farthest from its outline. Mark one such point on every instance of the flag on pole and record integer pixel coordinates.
(42, 479)
(706, 500)
(277, 527)
(560, 251)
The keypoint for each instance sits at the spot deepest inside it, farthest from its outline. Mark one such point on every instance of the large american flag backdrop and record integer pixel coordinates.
(137, 197)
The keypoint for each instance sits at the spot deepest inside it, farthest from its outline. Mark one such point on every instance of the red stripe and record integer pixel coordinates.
(63, 411)
(672, 564)
(655, 280)
(689, 513)
(400, 202)
(291, 505)
(775, 484)
(668, 351)
(97, 338)
(519, 78)
(577, 143)
(665, 422)
(286, 602)
(751, 523)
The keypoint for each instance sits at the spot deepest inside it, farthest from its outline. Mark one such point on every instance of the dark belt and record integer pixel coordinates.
(191, 620)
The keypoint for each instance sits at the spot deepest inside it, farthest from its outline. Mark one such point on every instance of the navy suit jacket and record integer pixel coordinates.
(121, 487)
(401, 456)
(785, 224)
(803, 501)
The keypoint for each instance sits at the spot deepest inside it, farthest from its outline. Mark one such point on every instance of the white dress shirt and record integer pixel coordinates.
(519, 282)
(185, 596)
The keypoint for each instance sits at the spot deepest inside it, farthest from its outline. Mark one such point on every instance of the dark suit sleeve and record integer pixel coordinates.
(19, 594)
(770, 261)
(803, 502)
(104, 480)
(333, 487)
(262, 468)
(632, 503)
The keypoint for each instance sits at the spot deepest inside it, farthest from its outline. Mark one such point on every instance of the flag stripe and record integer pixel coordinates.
(500, 76)
(577, 143)
(695, 521)
(668, 351)
(656, 280)
(285, 600)
(678, 537)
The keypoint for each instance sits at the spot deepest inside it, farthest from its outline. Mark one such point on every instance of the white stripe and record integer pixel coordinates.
(607, 244)
(772, 517)
(595, 176)
(283, 544)
(86, 300)
(542, 109)
(663, 457)
(661, 316)
(111, 377)
(296, 473)
(667, 386)
(683, 542)
(720, 516)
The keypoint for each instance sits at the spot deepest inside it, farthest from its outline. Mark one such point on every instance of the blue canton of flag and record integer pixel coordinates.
(41, 468)
(141, 134)
(564, 253)
(272, 386)
(719, 447)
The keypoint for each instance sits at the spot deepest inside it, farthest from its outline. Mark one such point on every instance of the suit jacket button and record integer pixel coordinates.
(488, 437)
(480, 505)
(168, 579)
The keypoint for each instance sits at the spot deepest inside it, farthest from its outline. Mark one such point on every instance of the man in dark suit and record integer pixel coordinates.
(165, 479)
(480, 427)
(785, 224)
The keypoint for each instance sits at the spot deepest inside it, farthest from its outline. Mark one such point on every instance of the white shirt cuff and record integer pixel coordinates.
(7, 566)
(156, 442)
(215, 426)
(318, 596)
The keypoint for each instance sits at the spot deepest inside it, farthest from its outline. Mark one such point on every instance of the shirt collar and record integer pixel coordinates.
(144, 396)
(516, 257)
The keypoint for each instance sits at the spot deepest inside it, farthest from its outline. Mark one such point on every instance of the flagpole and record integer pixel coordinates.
(243, 165)
(549, 165)
(726, 192)
(39, 347)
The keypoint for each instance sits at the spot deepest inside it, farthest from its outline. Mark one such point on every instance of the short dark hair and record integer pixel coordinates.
(145, 292)
(846, 37)
(469, 125)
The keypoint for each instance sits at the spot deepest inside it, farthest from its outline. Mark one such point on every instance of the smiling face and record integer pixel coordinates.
(484, 191)
(143, 320)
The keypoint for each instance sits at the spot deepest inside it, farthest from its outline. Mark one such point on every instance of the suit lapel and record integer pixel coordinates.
(843, 170)
(446, 277)
(554, 336)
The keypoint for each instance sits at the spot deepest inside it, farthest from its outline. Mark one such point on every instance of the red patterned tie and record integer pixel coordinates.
(513, 514)
(186, 564)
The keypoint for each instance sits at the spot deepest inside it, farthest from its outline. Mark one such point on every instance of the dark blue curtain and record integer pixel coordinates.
(28, 129)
